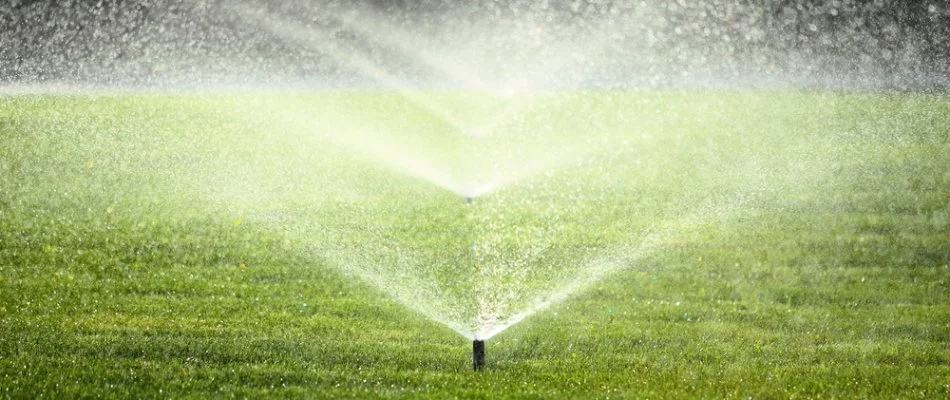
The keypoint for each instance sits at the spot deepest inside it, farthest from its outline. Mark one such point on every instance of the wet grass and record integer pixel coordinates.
(118, 280)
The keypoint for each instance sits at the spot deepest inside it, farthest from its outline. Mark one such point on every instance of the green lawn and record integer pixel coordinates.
(298, 244)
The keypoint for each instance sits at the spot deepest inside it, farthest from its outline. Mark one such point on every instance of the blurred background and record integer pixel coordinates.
(435, 43)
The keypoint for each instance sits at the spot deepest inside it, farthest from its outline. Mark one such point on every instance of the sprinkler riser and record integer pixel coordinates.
(478, 354)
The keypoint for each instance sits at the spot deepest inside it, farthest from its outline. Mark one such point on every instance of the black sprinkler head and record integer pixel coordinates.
(478, 354)
(468, 200)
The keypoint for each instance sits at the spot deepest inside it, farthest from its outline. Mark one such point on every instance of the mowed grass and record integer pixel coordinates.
(151, 245)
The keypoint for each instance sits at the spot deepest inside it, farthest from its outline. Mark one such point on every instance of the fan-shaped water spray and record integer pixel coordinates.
(482, 265)
(479, 173)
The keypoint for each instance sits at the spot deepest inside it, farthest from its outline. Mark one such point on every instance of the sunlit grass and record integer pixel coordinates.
(170, 245)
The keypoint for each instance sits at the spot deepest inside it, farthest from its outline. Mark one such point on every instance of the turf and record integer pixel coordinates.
(179, 245)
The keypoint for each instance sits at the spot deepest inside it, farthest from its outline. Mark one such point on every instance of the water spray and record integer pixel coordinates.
(478, 354)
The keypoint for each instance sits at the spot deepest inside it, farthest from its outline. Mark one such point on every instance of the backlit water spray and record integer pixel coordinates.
(477, 163)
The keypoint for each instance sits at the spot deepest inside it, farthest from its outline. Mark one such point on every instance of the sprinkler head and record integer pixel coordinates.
(478, 354)
(468, 200)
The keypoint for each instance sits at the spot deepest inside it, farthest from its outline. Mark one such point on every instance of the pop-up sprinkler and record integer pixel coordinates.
(478, 354)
